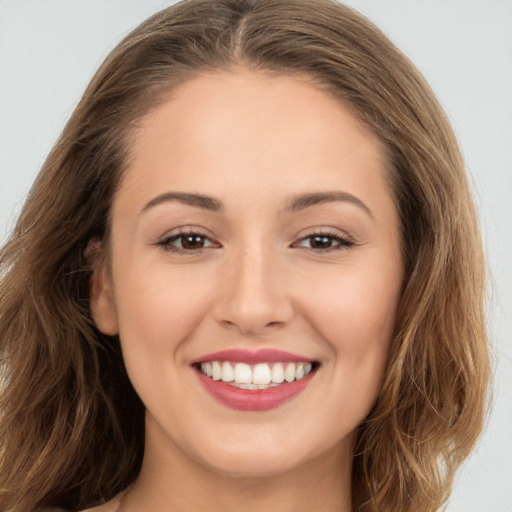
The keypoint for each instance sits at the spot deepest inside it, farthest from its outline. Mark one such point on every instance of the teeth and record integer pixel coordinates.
(289, 372)
(255, 386)
(228, 374)
(277, 373)
(247, 386)
(216, 370)
(259, 376)
(243, 373)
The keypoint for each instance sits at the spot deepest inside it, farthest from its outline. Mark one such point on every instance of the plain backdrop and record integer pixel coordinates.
(49, 50)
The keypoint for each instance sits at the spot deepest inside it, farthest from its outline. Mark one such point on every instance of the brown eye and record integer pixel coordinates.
(321, 242)
(187, 242)
(192, 241)
(324, 242)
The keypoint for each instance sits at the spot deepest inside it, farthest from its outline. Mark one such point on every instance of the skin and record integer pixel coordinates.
(254, 143)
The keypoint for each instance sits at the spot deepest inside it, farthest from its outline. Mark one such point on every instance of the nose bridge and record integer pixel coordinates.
(255, 265)
(254, 297)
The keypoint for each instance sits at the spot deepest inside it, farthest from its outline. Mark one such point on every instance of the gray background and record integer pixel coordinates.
(49, 50)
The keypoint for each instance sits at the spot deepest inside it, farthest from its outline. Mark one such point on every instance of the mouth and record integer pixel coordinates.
(254, 381)
(256, 376)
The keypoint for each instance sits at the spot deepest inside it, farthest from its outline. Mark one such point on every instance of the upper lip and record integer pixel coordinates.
(264, 355)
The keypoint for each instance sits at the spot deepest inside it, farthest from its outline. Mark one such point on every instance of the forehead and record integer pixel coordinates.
(220, 128)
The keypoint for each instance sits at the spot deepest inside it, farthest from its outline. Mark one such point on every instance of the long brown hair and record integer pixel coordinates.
(71, 425)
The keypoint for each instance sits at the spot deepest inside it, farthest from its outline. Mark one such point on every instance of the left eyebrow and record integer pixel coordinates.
(306, 200)
(195, 200)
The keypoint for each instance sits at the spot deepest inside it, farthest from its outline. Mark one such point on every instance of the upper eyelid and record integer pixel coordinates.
(168, 243)
(186, 230)
(180, 234)
(329, 231)
(342, 240)
(325, 231)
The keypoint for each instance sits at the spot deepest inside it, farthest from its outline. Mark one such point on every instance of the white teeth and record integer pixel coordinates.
(216, 370)
(261, 374)
(277, 373)
(254, 386)
(228, 374)
(258, 376)
(289, 372)
(246, 386)
(243, 373)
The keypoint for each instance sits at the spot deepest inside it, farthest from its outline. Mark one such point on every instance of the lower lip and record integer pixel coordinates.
(253, 400)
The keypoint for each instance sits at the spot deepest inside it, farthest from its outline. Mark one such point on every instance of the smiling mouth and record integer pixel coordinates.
(256, 376)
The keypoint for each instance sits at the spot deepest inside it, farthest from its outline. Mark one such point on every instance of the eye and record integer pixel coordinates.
(187, 242)
(324, 242)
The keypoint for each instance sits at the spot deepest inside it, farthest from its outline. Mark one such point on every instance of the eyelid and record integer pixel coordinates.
(341, 238)
(175, 234)
(344, 240)
(186, 229)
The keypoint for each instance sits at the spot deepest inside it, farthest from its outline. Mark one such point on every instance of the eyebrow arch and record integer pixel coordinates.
(306, 200)
(196, 200)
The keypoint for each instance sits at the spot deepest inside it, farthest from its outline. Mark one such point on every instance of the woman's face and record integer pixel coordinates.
(254, 237)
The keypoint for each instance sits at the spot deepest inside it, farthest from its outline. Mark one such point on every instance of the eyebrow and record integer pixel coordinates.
(196, 200)
(296, 204)
(306, 200)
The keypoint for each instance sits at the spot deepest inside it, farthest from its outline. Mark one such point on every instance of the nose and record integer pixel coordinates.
(253, 296)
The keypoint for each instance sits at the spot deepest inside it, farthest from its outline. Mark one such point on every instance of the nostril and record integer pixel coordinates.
(251, 325)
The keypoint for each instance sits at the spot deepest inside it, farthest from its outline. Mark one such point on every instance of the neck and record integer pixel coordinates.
(171, 480)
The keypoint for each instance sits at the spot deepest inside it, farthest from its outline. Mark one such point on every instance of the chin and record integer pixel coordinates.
(262, 456)
(252, 465)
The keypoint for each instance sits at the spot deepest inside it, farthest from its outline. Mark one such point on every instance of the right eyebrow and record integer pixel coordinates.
(196, 200)
(305, 201)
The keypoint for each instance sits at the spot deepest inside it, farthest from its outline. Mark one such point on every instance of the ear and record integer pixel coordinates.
(101, 298)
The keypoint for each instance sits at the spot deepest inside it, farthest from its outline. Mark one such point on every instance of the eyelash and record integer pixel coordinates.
(332, 237)
(341, 242)
(166, 243)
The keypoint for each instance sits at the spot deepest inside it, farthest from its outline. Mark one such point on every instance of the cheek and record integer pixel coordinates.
(355, 314)
(358, 303)
(158, 308)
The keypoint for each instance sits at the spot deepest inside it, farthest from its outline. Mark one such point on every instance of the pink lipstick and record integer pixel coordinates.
(254, 380)
(264, 355)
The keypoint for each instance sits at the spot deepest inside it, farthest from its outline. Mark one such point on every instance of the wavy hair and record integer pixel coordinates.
(71, 425)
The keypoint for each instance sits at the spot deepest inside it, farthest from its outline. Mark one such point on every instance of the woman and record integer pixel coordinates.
(249, 274)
